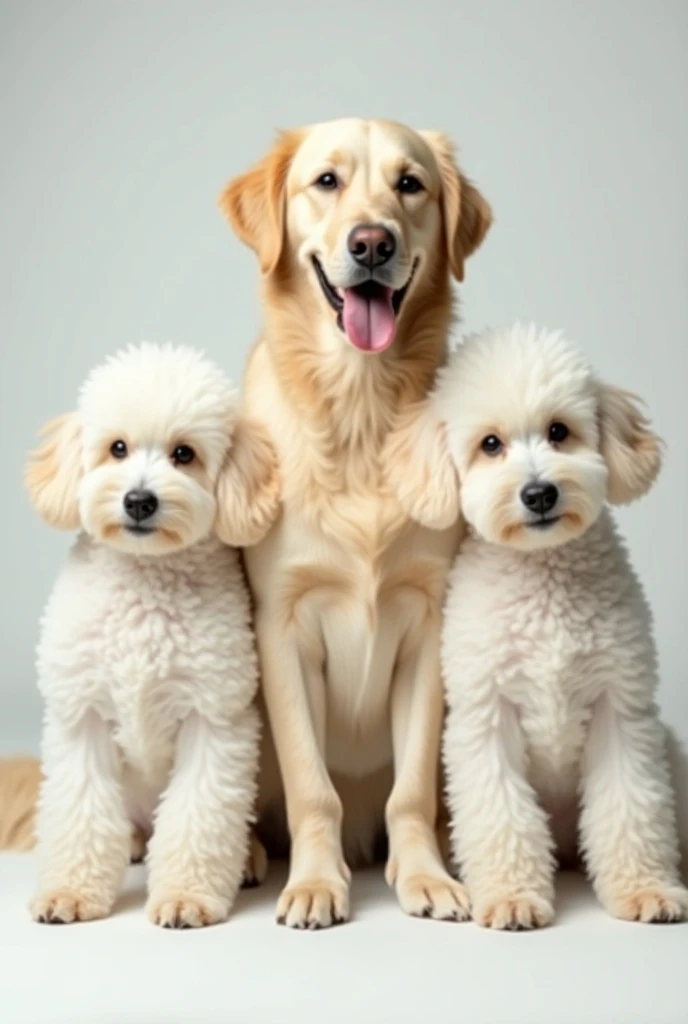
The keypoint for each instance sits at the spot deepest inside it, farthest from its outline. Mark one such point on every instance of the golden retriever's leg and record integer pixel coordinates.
(415, 867)
(317, 891)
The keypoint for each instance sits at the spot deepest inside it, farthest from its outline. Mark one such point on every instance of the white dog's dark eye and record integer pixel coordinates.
(558, 432)
(408, 184)
(491, 445)
(183, 455)
(327, 181)
(118, 450)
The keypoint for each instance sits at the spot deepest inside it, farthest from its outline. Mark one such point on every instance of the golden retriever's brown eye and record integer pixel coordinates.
(558, 432)
(408, 184)
(118, 450)
(183, 455)
(491, 445)
(327, 182)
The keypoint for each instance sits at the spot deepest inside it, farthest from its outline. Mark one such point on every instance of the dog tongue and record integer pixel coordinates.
(369, 319)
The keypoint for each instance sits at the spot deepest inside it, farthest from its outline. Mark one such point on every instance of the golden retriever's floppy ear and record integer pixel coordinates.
(53, 472)
(254, 203)
(466, 213)
(420, 470)
(632, 452)
(248, 487)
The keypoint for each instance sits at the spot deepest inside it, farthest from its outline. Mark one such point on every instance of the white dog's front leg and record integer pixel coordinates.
(501, 835)
(628, 830)
(201, 832)
(83, 830)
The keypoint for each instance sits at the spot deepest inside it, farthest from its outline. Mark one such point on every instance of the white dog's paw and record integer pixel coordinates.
(432, 895)
(64, 906)
(256, 866)
(174, 909)
(652, 904)
(314, 905)
(519, 911)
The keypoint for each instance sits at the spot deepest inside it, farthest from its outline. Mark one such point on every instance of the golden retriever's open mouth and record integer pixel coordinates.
(367, 313)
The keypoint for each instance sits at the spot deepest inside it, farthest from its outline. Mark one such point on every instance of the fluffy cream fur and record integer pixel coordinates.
(552, 742)
(146, 658)
(348, 590)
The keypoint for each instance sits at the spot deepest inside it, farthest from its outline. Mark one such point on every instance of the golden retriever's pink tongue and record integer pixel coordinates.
(369, 320)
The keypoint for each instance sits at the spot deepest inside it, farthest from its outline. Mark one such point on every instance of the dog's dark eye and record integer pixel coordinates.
(558, 432)
(118, 450)
(491, 445)
(408, 184)
(327, 182)
(183, 455)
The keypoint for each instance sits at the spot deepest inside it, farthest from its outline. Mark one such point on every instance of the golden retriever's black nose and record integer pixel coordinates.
(140, 505)
(371, 245)
(540, 498)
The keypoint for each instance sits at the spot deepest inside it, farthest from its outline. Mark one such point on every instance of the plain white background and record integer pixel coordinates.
(121, 121)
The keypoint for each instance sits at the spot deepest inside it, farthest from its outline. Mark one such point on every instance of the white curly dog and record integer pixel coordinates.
(553, 743)
(146, 659)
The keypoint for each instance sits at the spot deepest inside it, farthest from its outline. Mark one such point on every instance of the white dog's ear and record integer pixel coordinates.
(248, 487)
(254, 203)
(53, 472)
(420, 470)
(466, 213)
(631, 450)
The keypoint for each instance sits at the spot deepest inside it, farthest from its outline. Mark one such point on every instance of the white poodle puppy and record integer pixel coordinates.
(146, 658)
(552, 742)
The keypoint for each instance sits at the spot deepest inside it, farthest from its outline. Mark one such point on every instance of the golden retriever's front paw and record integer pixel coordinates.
(65, 906)
(256, 866)
(519, 911)
(436, 896)
(314, 905)
(174, 909)
(653, 904)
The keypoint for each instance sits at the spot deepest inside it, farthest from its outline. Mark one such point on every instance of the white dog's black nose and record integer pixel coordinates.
(540, 498)
(371, 245)
(140, 505)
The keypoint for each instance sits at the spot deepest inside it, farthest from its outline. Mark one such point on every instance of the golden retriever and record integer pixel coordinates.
(20, 779)
(358, 227)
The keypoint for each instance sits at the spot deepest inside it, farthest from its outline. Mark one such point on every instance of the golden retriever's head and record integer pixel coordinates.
(156, 457)
(370, 210)
(522, 437)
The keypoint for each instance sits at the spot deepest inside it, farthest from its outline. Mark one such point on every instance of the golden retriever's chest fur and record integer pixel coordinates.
(355, 617)
(348, 573)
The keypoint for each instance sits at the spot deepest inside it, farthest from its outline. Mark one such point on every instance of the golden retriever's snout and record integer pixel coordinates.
(371, 245)
(368, 313)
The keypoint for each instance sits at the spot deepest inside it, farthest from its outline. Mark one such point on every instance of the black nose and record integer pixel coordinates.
(539, 498)
(140, 505)
(371, 245)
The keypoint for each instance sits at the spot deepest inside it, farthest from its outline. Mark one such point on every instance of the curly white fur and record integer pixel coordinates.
(550, 676)
(552, 743)
(146, 659)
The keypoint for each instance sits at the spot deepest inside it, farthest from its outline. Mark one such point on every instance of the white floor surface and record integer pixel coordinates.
(381, 967)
